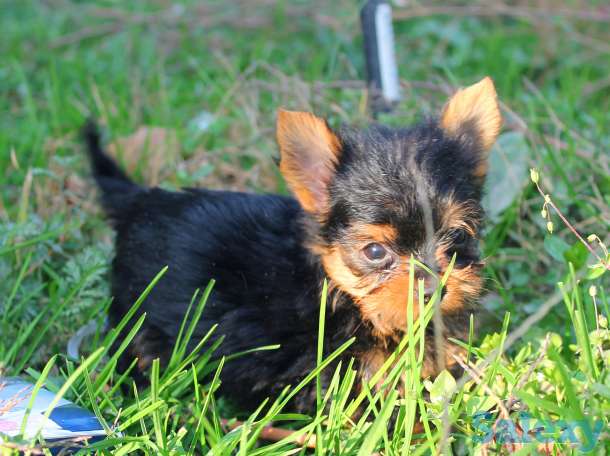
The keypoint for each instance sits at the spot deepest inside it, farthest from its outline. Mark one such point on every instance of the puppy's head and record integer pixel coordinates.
(375, 198)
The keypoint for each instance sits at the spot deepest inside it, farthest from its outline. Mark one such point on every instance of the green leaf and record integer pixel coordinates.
(443, 386)
(577, 255)
(476, 404)
(507, 174)
(595, 272)
(556, 247)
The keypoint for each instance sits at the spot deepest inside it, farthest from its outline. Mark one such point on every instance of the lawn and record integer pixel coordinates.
(187, 93)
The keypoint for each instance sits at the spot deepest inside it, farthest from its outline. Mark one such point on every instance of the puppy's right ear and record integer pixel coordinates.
(473, 114)
(309, 153)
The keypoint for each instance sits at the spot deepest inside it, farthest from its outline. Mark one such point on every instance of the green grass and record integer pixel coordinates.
(540, 343)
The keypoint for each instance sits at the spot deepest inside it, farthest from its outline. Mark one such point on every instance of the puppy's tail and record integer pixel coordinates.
(117, 188)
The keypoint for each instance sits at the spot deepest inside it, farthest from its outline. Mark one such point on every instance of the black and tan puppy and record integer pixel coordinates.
(364, 203)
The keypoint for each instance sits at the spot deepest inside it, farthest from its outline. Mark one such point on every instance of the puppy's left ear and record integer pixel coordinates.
(473, 116)
(309, 155)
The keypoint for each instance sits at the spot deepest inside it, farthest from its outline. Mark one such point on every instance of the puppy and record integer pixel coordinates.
(364, 203)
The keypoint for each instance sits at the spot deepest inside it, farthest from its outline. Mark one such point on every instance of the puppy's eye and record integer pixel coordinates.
(458, 237)
(375, 252)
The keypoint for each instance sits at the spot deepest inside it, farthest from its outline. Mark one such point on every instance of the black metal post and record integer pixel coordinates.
(381, 69)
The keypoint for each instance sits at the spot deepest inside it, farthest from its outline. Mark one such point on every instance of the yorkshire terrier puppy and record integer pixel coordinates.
(364, 203)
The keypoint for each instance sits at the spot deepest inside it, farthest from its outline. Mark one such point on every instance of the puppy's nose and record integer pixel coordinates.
(431, 283)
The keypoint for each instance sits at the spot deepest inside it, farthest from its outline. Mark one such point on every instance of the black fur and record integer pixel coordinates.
(117, 188)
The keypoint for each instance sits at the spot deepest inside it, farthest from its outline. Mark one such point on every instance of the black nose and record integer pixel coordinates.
(431, 283)
(430, 289)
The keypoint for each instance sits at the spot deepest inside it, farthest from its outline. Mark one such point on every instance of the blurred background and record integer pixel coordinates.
(187, 91)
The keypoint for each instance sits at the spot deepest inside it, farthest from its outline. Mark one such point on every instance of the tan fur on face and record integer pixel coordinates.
(386, 306)
(382, 303)
(309, 153)
(381, 233)
(334, 259)
(475, 107)
(463, 285)
(382, 298)
(342, 276)
(460, 215)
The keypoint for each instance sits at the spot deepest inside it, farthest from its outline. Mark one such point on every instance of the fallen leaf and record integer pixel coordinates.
(507, 175)
(150, 150)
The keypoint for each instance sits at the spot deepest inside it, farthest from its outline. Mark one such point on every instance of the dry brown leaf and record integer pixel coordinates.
(150, 150)
(230, 175)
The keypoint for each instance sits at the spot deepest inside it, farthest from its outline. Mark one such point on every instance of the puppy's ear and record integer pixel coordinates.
(309, 153)
(472, 115)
